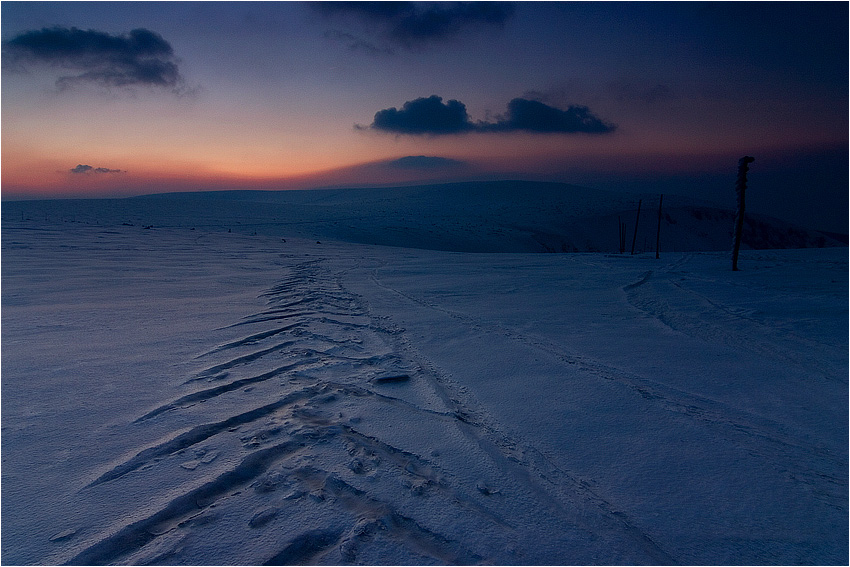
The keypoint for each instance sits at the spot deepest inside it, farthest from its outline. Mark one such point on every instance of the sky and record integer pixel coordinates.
(123, 98)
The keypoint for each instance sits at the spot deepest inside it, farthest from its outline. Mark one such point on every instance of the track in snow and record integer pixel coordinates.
(282, 437)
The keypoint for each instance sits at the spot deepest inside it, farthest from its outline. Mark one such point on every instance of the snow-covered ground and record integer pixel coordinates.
(186, 395)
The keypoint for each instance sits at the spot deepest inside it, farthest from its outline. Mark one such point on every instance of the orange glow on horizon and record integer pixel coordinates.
(29, 173)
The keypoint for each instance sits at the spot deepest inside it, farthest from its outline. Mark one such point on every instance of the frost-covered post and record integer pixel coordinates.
(658, 232)
(740, 189)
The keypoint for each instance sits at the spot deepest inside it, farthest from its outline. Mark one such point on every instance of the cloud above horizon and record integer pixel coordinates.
(535, 116)
(82, 168)
(138, 58)
(432, 117)
(409, 24)
(424, 116)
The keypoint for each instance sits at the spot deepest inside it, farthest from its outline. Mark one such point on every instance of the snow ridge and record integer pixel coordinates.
(342, 364)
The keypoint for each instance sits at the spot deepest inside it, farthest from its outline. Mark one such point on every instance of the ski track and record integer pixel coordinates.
(760, 435)
(672, 399)
(738, 328)
(324, 364)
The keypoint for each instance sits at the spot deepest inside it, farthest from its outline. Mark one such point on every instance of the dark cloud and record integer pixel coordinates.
(81, 168)
(439, 22)
(535, 116)
(424, 116)
(140, 57)
(409, 24)
(424, 163)
(430, 116)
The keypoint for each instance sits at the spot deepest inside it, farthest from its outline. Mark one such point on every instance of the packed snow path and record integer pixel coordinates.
(180, 398)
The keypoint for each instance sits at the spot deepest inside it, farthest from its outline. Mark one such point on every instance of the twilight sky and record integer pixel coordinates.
(122, 98)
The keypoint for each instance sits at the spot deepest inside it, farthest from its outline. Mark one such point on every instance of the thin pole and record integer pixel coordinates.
(658, 233)
(621, 235)
(636, 226)
(740, 189)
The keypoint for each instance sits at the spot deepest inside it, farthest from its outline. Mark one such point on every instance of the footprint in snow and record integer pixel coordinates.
(263, 517)
(485, 488)
(64, 535)
(391, 379)
(205, 459)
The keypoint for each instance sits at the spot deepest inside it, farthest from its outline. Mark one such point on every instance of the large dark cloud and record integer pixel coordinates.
(430, 116)
(535, 116)
(424, 116)
(411, 24)
(140, 57)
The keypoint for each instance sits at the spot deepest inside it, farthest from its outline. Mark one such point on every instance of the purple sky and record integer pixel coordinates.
(119, 98)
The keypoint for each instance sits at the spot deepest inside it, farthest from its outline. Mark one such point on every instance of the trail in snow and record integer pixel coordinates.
(311, 444)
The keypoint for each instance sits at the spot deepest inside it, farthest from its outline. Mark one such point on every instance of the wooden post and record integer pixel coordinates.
(636, 226)
(740, 189)
(658, 233)
(622, 235)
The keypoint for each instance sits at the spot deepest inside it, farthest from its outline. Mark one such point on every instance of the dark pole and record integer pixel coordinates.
(636, 225)
(622, 235)
(740, 189)
(658, 233)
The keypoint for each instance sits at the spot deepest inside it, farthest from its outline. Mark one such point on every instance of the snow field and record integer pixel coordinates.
(192, 397)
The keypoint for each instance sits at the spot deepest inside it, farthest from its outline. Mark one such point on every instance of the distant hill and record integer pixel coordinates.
(497, 216)
(504, 216)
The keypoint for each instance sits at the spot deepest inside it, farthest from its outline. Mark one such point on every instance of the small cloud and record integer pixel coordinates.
(430, 116)
(355, 43)
(409, 24)
(81, 168)
(424, 116)
(138, 58)
(424, 163)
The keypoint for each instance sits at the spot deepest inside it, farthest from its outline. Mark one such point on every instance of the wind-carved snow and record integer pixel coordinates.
(187, 397)
(309, 445)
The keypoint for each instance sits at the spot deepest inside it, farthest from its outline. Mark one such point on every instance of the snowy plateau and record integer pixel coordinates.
(401, 377)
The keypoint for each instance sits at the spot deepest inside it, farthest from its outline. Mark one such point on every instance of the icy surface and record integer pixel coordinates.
(180, 396)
